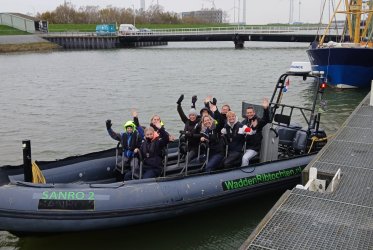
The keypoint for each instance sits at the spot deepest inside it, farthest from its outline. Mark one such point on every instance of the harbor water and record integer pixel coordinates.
(60, 101)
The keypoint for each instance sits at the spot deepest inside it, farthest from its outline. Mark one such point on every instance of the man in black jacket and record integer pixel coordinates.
(254, 126)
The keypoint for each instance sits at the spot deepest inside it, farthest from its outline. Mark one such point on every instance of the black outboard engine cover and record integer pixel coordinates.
(317, 140)
(300, 141)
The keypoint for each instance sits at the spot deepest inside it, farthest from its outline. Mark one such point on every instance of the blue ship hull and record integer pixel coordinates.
(344, 67)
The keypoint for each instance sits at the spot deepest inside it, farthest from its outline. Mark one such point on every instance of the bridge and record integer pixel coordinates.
(238, 35)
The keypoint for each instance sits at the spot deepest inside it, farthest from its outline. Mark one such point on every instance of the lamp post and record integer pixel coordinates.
(134, 15)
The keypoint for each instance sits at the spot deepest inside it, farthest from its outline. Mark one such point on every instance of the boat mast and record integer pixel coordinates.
(354, 11)
(329, 24)
(356, 8)
(369, 19)
(349, 22)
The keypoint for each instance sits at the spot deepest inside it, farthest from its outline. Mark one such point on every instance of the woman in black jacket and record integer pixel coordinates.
(191, 127)
(151, 152)
(212, 136)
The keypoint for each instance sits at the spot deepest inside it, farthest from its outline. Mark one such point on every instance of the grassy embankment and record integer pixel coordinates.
(8, 31)
(20, 47)
(23, 47)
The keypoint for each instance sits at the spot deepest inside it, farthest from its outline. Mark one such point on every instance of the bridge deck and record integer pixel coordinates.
(237, 34)
(342, 219)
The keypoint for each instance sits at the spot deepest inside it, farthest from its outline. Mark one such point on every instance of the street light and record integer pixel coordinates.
(134, 15)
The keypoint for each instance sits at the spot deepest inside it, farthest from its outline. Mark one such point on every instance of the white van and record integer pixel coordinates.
(127, 29)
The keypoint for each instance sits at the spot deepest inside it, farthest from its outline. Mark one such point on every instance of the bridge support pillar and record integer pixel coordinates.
(239, 44)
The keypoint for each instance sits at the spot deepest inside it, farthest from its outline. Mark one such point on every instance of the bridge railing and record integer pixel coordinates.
(229, 30)
(206, 31)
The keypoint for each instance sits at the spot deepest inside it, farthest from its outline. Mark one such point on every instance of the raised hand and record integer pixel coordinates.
(181, 98)
(214, 101)
(134, 113)
(213, 107)
(265, 103)
(108, 124)
(194, 99)
(254, 123)
(208, 99)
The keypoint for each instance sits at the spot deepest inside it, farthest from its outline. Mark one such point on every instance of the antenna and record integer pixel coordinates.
(239, 10)
(244, 12)
(291, 11)
(234, 11)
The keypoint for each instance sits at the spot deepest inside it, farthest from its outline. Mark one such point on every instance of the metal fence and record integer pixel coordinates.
(208, 30)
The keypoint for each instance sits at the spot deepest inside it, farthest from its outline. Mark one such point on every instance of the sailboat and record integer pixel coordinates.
(347, 63)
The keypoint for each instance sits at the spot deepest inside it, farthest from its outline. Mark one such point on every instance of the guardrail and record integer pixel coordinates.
(206, 30)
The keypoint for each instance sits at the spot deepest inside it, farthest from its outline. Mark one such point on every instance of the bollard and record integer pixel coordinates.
(27, 167)
(371, 94)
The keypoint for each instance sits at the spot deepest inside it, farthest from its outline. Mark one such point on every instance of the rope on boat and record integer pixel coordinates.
(316, 139)
(37, 175)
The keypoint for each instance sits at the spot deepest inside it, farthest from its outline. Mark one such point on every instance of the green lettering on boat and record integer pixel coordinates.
(260, 178)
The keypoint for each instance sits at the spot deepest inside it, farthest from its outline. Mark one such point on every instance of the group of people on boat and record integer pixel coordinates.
(225, 141)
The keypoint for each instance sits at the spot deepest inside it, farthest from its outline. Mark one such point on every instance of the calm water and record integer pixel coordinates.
(60, 101)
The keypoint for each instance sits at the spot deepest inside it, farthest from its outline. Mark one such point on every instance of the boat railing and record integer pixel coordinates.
(284, 120)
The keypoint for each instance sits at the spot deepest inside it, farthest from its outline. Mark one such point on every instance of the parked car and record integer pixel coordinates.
(105, 30)
(127, 29)
(146, 31)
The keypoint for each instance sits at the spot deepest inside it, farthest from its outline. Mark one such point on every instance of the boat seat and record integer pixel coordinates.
(269, 146)
(282, 119)
(286, 134)
(300, 141)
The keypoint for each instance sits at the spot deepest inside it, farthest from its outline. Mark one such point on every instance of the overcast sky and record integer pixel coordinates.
(258, 11)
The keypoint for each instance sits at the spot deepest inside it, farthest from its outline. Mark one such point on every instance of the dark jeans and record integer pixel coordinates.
(147, 172)
(233, 159)
(214, 162)
(193, 153)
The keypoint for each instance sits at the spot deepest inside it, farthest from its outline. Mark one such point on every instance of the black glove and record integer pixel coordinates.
(108, 124)
(214, 101)
(181, 98)
(188, 134)
(194, 99)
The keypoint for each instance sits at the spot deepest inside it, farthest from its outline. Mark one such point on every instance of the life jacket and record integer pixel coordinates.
(232, 131)
(235, 140)
(129, 143)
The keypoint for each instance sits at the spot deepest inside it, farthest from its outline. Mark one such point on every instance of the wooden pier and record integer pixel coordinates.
(336, 214)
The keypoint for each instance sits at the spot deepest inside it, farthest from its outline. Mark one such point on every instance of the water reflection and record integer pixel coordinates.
(225, 227)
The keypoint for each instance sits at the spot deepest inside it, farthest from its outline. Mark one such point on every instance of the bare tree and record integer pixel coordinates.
(89, 14)
(65, 13)
(155, 14)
